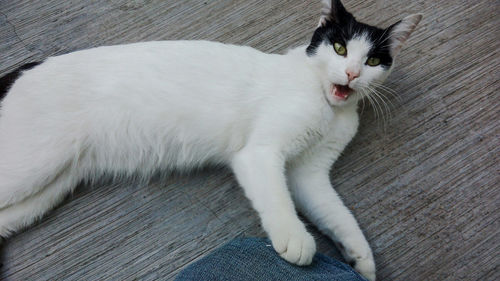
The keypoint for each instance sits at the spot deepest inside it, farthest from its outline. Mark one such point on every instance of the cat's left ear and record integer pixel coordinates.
(333, 11)
(400, 31)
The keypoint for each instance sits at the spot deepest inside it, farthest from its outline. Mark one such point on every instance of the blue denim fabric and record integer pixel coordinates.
(255, 259)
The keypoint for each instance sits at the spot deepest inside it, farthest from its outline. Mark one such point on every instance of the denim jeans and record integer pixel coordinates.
(255, 259)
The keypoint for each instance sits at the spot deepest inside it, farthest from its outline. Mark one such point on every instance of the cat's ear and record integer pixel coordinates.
(332, 11)
(400, 31)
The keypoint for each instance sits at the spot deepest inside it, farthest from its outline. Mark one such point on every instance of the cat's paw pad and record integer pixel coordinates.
(296, 246)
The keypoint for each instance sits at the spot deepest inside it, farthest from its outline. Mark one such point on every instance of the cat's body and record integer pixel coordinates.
(140, 108)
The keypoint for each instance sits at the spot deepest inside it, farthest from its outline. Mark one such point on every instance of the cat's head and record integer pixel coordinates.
(353, 57)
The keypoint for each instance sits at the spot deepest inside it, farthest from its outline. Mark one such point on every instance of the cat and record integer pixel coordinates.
(279, 121)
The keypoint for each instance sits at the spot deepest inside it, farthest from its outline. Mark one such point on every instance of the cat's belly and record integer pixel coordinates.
(145, 146)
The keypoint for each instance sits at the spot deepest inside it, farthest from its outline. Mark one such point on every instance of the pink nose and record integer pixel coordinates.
(351, 75)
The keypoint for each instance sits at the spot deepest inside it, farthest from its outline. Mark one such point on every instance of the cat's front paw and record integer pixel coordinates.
(294, 244)
(360, 257)
(366, 267)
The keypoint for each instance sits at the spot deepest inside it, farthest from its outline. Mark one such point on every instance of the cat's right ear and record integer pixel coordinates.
(400, 31)
(332, 11)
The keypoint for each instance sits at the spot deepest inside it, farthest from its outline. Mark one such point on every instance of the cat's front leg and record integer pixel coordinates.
(317, 200)
(261, 173)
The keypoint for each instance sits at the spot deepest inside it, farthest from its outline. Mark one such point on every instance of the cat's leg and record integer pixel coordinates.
(315, 197)
(25, 172)
(260, 171)
(35, 164)
(23, 213)
(32, 153)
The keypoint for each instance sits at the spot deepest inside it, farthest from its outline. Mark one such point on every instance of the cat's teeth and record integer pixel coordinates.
(340, 92)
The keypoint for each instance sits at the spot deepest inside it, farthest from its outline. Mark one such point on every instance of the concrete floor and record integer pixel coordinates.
(424, 185)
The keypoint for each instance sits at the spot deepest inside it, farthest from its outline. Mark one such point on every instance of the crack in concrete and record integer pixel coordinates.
(19, 37)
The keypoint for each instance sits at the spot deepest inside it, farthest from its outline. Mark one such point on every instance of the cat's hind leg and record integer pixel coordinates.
(35, 147)
(25, 172)
(23, 213)
(38, 153)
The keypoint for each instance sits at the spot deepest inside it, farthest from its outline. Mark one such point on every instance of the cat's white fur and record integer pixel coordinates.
(140, 108)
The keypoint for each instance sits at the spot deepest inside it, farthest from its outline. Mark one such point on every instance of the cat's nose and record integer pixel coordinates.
(351, 75)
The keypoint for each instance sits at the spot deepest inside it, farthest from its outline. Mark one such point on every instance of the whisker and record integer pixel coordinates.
(373, 104)
(383, 97)
(382, 36)
(386, 106)
(377, 95)
(383, 86)
(363, 104)
(387, 90)
(379, 103)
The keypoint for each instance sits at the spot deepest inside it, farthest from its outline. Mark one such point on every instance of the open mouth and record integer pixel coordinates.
(340, 92)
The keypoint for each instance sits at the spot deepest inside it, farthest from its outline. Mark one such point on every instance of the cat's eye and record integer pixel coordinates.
(340, 49)
(372, 61)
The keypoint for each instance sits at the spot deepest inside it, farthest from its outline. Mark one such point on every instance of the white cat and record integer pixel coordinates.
(280, 122)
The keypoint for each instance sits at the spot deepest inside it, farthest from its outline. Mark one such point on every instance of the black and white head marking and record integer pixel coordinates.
(340, 26)
(354, 57)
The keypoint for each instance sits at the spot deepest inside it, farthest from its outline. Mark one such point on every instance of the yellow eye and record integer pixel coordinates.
(373, 61)
(341, 50)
